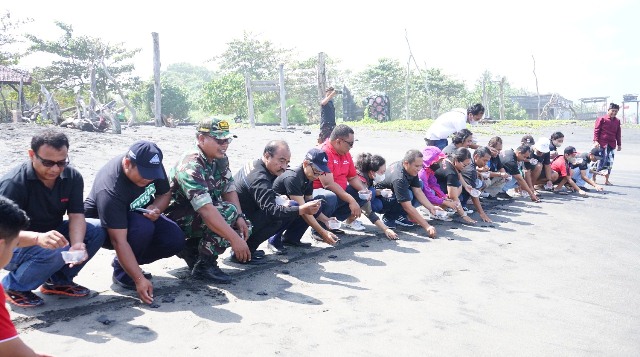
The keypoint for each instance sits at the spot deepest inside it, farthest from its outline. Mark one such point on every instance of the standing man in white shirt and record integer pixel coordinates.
(451, 122)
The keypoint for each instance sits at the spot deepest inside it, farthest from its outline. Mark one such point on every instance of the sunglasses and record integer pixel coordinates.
(350, 143)
(317, 173)
(51, 163)
(222, 141)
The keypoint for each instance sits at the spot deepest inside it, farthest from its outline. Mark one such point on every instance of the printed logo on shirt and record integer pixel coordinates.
(64, 199)
(324, 159)
(144, 198)
(336, 161)
(345, 162)
(155, 160)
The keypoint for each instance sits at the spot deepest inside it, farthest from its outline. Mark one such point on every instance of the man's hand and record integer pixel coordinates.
(598, 188)
(391, 234)
(51, 240)
(241, 225)
(486, 218)
(596, 144)
(582, 193)
(431, 231)
(468, 219)
(240, 250)
(619, 147)
(355, 209)
(534, 198)
(79, 247)
(154, 214)
(145, 290)
(329, 237)
(310, 207)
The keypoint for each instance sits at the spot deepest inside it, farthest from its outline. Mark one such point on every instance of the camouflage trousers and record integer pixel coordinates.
(198, 233)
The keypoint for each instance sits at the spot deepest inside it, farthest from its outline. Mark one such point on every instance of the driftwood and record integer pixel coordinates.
(122, 96)
(50, 108)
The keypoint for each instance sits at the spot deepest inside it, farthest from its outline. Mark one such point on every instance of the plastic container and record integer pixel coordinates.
(364, 194)
(333, 223)
(475, 193)
(74, 256)
(479, 183)
(386, 193)
(280, 200)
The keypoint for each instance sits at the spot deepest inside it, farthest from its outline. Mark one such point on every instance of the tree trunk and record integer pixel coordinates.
(156, 79)
(114, 120)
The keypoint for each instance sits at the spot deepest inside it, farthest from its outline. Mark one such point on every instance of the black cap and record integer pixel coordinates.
(148, 158)
(570, 150)
(596, 152)
(319, 159)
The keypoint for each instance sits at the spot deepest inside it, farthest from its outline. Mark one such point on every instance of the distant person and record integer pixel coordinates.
(13, 220)
(451, 122)
(205, 205)
(539, 173)
(327, 114)
(562, 165)
(607, 135)
(129, 195)
(497, 174)
(432, 157)
(47, 189)
(510, 160)
(555, 143)
(451, 181)
(479, 159)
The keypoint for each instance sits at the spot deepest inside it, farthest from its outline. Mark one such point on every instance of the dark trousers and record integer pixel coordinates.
(264, 227)
(440, 143)
(150, 240)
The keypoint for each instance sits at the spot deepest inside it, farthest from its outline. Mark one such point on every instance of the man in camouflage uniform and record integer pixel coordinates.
(204, 203)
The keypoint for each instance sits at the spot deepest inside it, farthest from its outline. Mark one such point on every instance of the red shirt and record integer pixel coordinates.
(7, 330)
(559, 165)
(341, 166)
(607, 132)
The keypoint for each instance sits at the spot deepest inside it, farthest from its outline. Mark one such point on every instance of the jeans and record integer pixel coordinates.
(150, 241)
(577, 177)
(392, 209)
(276, 239)
(509, 184)
(440, 143)
(335, 206)
(30, 267)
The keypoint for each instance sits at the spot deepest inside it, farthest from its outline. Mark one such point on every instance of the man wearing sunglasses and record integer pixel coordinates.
(46, 188)
(205, 204)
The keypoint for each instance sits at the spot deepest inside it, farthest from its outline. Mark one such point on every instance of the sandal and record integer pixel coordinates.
(71, 289)
(23, 298)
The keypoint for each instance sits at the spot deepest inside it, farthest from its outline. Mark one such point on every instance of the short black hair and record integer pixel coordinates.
(12, 219)
(460, 154)
(523, 149)
(341, 131)
(366, 162)
(51, 137)
(482, 151)
(494, 141)
(273, 146)
(412, 155)
(614, 106)
(475, 109)
(460, 136)
(557, 135)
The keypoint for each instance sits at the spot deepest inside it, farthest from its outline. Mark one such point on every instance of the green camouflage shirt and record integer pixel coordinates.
(195, 182)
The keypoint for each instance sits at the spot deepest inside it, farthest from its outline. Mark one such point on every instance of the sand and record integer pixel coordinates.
(555, 278)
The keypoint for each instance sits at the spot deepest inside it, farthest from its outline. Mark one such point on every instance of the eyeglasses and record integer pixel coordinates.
(350, 143)
(222, 141)
(51, 163)
(317, 173)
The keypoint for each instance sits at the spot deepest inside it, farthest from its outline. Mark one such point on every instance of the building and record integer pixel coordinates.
(552, 106)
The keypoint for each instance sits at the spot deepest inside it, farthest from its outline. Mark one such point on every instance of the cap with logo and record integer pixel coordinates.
(319, 159)
(528, 140)
(217, 128)
(542, 145)
(570, 150)
(148, 159)
(597, 153)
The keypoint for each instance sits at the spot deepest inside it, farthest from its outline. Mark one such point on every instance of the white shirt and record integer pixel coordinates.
(447, 124)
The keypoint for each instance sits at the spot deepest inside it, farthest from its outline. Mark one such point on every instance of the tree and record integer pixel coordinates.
(259, 59)
(8, 38)
(225, 95)
(189, 78)
(75, 58)
(511, 109)
(174, 100)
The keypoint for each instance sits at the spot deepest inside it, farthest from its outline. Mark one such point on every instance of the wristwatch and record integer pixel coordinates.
(242, 215)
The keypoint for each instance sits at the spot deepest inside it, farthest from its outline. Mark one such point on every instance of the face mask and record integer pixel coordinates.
(378, 178)
(557, 144)
(474, 122)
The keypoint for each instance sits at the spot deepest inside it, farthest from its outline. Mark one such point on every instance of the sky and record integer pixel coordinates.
(585, 50)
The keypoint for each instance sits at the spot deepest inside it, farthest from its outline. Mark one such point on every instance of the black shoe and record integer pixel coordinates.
(253, 260)
(258, 254)
(189, 254)
(336, 231)
(206, 268)
(297, 244)
(489, 198)
(584, 189)
(127, 283)
(116, 264)
(503, 196)
(277, 250)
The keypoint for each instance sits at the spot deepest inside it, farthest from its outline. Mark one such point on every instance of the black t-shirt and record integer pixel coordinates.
(328, 114)
(113, 195)
(470, 173)
(544, 159)
(583, 161)
(399, 181)
(509, 162)
(495, 164)
(45, 207)
(254, 185)
(447, 175)
(293, 182)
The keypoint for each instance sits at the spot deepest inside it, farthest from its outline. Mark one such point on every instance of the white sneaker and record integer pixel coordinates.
(355, 225)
